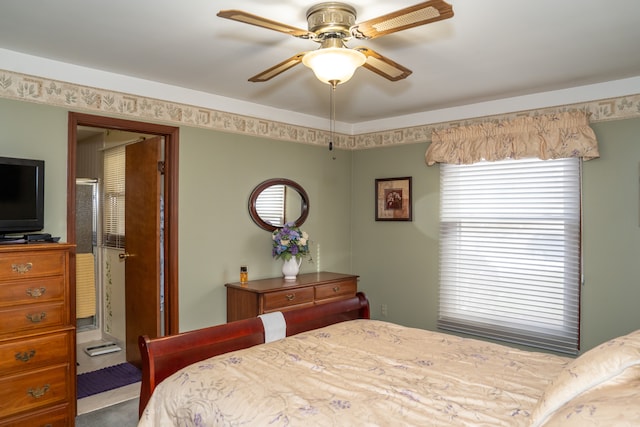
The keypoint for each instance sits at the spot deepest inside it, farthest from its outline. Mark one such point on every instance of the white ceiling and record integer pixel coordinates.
(490, 50)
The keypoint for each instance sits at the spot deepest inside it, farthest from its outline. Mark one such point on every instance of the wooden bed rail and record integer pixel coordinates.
(163, 356)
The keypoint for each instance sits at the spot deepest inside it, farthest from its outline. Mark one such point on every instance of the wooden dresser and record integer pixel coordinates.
(245, 300)
(37, 336)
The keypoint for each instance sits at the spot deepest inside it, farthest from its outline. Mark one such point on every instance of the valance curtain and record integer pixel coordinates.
(545, 137)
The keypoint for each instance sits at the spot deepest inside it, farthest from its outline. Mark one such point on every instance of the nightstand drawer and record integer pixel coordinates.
(31, 317)
(335, 290)
(34, 352)
(31, 291)
(33, 390)
(25, 266)
(281, 299)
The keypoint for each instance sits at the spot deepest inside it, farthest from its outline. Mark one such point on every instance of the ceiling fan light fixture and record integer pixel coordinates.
(334, 65)
(331, 23)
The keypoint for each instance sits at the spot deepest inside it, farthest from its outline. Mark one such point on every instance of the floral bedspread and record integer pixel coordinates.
(358, 373)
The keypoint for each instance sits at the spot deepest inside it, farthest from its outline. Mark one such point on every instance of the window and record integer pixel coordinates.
(510, 261)
(113, 190)
(270, 204)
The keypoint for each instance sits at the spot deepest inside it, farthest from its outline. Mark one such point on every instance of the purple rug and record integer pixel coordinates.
(107, 379)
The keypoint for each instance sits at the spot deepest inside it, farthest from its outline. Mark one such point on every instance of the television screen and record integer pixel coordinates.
(21, 195)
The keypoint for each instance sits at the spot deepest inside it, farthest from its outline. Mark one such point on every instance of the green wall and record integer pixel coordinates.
(611, 234)
(40, 132)
(217, 173)
(397, 261)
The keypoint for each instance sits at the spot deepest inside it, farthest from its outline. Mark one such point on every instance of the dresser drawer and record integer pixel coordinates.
(31, 291)
(336, 290)
(57, 416)
(281, 299)
(256, 297)
(29, 353)
(28, 265)
(33, 390)
(31, 317)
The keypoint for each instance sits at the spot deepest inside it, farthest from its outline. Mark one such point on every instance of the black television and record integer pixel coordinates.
(21, 195)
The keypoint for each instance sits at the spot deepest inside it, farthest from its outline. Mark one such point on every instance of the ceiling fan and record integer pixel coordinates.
(332, 24)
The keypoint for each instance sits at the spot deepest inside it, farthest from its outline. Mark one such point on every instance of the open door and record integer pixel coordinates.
(170, 145)
(143, 234)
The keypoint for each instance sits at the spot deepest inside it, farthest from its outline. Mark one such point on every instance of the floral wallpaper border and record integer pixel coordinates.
(28, 88)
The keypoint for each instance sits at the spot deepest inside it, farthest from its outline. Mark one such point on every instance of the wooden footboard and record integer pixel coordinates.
(163, 356)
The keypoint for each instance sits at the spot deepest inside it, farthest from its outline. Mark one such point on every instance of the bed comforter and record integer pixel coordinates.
(358, 373)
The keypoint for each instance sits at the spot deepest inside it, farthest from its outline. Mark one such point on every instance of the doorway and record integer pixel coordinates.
(168, 323)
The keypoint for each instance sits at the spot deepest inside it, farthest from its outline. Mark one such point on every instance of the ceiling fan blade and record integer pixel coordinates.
(383, 66)
(248, 18)
(412, 16)
(277, 69)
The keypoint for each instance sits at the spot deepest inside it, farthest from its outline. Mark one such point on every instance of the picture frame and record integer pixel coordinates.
(393, 199)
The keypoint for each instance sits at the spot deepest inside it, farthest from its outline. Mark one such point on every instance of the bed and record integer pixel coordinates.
(337, 366)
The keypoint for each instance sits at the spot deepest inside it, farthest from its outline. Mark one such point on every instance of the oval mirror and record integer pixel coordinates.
(278, 201)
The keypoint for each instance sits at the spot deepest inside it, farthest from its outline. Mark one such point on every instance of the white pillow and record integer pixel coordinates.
(614, 403)
(596, 366)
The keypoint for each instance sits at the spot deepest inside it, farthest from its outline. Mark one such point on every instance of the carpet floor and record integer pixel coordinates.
(123, 414)
(106, 379)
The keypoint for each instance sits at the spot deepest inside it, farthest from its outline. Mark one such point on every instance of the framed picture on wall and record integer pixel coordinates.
(393, 199)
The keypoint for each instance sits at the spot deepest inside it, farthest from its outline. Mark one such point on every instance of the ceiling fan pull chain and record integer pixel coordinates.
(332, 114)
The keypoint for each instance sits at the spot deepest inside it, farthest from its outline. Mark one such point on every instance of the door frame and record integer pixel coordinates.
(171, 143)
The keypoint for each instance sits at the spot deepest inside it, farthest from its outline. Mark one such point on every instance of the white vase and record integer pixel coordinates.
(290, 268)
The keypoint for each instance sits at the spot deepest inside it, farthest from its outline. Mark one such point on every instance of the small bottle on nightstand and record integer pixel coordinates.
(244, 274)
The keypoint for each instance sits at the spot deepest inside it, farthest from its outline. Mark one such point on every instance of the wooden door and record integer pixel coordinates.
(142, 243)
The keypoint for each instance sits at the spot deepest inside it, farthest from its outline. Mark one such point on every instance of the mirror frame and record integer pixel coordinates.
(304, 208)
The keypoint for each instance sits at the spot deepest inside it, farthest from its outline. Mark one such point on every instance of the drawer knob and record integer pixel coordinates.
(290, 297)
(25, 356)
(38, 392)
(21, 268)
(36, 292)
(336, 288)
(36, 317)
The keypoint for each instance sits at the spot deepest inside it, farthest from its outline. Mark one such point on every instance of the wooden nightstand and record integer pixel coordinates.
(245, 300)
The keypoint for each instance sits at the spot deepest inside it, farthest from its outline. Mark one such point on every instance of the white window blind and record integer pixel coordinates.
(270, 205)
(113, 203)
(510, 261)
